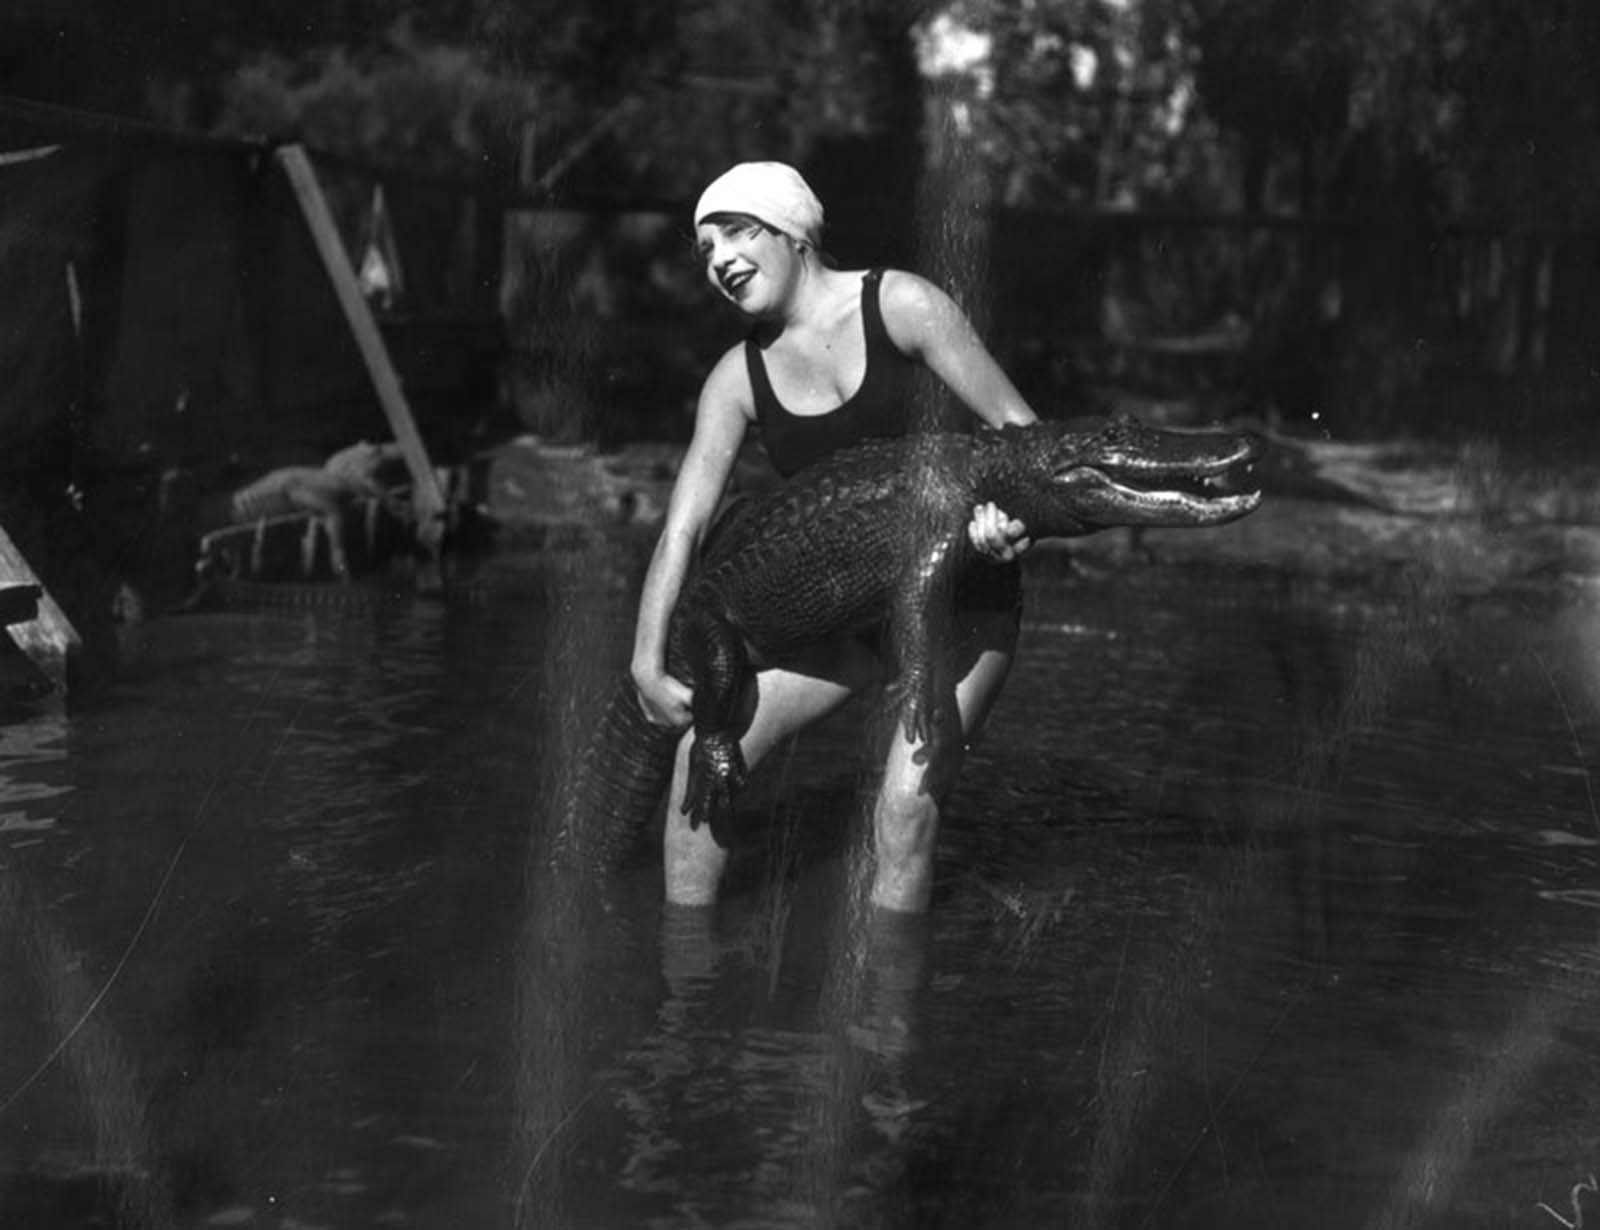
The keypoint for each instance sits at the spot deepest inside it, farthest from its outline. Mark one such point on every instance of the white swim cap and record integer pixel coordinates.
(771, 191)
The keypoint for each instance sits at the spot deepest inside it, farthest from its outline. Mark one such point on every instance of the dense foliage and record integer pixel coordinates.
(1472, 106)
(1388, 115)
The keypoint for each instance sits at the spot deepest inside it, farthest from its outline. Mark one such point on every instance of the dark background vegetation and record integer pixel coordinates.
(1353, 216)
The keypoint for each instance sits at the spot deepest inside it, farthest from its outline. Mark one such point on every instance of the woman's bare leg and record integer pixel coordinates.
(786, 701)
(906, 818)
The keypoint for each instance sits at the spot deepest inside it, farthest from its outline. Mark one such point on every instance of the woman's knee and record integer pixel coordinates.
(692, 862)
(907, 814)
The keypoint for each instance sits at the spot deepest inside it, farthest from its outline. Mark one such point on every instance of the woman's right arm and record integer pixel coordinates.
(721, 417)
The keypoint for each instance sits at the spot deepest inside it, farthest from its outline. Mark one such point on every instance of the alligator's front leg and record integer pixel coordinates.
(716, 664)
(922, 619)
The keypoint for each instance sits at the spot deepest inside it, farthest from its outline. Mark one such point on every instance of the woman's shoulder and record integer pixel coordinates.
(910, 292)
(906, 282)
(911, 306)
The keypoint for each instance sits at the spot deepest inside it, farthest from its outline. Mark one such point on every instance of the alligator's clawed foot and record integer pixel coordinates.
(716, 774)
(926, 711)
(913, 698)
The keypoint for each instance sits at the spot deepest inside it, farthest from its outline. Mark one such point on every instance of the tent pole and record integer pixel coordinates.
(427, 499)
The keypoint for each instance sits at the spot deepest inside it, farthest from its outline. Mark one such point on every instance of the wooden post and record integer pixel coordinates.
(47, 637)
(426, 498)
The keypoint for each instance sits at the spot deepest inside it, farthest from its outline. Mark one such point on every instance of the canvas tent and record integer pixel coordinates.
(164, 301)
(166, 309)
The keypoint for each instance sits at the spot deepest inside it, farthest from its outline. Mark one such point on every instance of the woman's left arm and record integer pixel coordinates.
(927, 325)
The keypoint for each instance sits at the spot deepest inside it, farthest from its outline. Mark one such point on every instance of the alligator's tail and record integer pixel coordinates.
(613, 786)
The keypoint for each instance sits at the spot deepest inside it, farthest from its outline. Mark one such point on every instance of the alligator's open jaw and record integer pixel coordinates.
(1197, 491)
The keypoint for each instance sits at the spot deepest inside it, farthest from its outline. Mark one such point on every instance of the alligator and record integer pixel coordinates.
(875, 536)
(316, 499)
(321, 494)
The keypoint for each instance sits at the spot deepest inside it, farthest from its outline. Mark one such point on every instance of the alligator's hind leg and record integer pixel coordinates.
(922, 639)
(920, 771)
(719, 666)
(782, 700)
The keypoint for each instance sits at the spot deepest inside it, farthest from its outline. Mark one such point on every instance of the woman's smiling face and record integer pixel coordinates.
(749, 263)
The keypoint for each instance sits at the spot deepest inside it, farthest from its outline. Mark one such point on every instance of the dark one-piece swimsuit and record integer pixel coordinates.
(881, 407)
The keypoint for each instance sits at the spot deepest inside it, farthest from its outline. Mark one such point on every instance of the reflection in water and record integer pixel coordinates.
(1427, 1181)
(44, 967)
(571, 928)
(1260, 904)
(235, 862)
(859, 1112)
(785, 1106)
(1275, 780)
(34, 741)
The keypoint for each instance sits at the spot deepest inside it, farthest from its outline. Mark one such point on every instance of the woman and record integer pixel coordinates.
(827, 363)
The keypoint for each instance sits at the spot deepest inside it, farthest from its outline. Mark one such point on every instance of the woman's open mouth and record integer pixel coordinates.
(734, 282)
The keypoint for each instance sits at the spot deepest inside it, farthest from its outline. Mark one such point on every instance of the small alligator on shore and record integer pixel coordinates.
(874, 535)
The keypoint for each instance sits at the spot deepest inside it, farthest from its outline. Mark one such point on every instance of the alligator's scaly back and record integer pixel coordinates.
(815, 558)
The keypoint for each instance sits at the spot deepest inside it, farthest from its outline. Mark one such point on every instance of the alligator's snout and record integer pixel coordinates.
(1147, 477)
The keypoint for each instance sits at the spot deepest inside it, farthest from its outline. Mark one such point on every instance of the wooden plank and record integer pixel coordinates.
(427, 499)
(49, 638)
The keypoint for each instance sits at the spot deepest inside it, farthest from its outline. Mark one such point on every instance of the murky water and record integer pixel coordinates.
(1263, 904)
